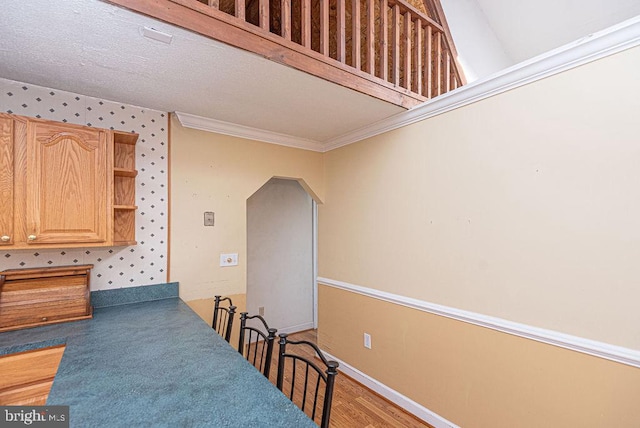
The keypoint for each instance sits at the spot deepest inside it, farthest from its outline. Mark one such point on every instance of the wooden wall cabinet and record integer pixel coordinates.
(65, 185)
(40, 296)
(9, 129)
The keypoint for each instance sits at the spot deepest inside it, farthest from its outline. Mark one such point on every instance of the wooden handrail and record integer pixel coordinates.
(406, 52)
(406, 7)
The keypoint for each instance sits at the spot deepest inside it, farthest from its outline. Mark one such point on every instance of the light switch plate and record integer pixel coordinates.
(229, 259)
(209, 218)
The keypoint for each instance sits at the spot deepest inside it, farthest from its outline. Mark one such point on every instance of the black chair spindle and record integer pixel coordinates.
(223, 317)
(326, 377)
(256, 339)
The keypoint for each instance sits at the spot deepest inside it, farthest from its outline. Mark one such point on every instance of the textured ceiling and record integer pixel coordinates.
(94, 48)
(97, 49)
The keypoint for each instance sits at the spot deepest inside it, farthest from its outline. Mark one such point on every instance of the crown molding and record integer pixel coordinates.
(595, 348)
(235, 130)
(590, 48)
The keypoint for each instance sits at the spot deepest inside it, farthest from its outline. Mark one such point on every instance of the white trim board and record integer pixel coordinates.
(590, 48)
(392, 395)
(296, 328)
(595, 348)
(235, 130)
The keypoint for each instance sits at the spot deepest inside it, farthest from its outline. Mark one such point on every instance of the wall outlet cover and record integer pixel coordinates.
(367, 340)
(230, 259)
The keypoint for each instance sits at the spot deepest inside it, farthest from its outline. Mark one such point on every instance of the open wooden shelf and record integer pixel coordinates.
(122, 137)
(124, 188)
(121, 172)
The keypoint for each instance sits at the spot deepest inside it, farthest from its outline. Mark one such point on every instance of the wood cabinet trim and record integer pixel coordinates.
(30, 222)
(28, 376)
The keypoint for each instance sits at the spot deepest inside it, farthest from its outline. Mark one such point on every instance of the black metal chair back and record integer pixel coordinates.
(256, 345)
(223, 317)
(308, 376)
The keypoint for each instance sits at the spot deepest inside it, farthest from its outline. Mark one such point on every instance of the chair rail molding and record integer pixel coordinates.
(609, 41)
(595, 348)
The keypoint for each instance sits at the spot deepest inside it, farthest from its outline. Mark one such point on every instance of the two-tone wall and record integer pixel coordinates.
(523, 207)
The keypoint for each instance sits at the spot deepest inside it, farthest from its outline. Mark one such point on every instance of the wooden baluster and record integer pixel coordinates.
(305, 25)
(407, 50)
(384, 40)
(355, 33)
(263, 10)
(214, 4)
(240, 9)
(417, 57)
(341, 29)
(324, 27)
(454, 75)
(428, 62)
(447, 71)
(395, 45)
(285, 18)
(437, 64)
(370, 66)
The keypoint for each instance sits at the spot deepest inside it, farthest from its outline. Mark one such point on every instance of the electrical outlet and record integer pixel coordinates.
(261, 311)
(367, 340)
(229, 259)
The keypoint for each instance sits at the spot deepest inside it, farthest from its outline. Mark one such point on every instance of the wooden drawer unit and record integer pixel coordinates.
(28, 376)
(33, 297)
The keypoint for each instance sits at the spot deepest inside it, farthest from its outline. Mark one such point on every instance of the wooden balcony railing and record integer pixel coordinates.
(388, 49)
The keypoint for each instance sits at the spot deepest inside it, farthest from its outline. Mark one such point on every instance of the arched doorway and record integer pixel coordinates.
(281, 252)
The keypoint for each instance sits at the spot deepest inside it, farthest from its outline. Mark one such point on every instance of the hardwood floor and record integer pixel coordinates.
(355, 406)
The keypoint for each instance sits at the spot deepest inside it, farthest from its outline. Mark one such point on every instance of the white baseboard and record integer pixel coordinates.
(392, 395)
(296, 328)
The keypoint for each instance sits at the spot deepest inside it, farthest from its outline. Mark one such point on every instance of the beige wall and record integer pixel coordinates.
(474, 376)
(213, 172)
(524, 206)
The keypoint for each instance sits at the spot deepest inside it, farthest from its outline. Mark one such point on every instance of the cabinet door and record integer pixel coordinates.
(66, 184)
(6, 181)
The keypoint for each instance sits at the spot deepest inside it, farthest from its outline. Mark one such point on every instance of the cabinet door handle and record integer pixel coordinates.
(5, 238)
(31, 237)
